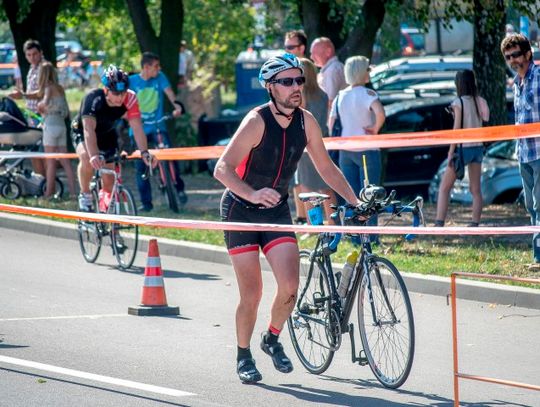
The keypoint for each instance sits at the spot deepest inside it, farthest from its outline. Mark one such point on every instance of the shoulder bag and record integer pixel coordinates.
(337, 128)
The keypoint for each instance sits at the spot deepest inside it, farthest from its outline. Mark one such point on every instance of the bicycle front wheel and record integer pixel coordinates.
(90, 235)
(170, 188)
(386, 323)
(310, 322)
(124, 238)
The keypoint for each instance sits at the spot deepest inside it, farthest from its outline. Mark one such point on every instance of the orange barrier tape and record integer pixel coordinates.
(426, 138)
(238, 226)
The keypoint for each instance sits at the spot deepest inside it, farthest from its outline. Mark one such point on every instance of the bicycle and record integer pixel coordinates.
(124, 238)
(168, 172)
(321, 315)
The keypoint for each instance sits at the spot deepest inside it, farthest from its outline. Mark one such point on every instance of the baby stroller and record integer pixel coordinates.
(15, 180)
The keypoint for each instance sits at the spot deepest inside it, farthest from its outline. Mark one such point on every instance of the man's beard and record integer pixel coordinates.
(289, 103)
(519, 65)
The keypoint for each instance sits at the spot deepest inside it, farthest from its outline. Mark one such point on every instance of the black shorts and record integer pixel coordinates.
(234, 209)
(105, 141)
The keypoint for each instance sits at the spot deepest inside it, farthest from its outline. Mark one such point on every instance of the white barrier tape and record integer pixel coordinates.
(238, 226)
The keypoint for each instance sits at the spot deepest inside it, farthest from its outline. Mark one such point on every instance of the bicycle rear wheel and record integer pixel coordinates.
(309, 323)
(90, 235)
(170, 188)
(124, 238)
(388, 334)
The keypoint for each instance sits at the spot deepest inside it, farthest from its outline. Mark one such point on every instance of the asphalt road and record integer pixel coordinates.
(66, 339)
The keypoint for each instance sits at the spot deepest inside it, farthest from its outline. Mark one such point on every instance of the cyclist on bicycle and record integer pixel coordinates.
(256, 168)
(93, 130)
(150, 85)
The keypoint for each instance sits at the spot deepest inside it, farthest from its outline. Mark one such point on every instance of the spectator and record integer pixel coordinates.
(517, 52)
(150, 86)
(331, 77)
(54, 109)
(316, 102)
(296, 43)
(469, 110)
(186, 65)
(34, 56)
(357, 106)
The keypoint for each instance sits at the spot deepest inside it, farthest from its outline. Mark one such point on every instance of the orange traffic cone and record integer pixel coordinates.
(154, 300)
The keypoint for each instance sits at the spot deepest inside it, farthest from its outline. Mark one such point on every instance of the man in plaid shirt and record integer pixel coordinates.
(517, 52)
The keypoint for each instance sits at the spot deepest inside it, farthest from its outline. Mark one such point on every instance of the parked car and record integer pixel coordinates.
(412, 41)
(500, 179)
(406, 80)
(7, 65)
(411, 169)
(418, 64)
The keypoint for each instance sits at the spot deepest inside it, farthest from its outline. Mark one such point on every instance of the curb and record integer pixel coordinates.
(418, 283)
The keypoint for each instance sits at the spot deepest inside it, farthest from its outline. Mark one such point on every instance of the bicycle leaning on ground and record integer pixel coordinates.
(326, 299)
(124, 237)
(168, 172)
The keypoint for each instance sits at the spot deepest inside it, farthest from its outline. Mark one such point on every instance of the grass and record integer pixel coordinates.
(429, 255)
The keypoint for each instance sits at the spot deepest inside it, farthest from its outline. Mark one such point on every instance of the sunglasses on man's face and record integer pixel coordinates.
(292, 46)
(288, 82)
(514, 55)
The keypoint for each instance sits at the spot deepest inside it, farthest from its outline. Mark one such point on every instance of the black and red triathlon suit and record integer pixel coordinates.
(95, 105)
(270, 164)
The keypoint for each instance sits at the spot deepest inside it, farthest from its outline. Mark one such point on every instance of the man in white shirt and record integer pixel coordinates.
(331, 78)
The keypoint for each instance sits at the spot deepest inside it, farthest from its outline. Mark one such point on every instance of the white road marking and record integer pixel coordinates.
(65, 317)
(95, 377)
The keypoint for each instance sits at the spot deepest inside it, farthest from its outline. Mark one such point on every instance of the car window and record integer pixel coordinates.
(417, 40)
(6, 56)
(505, 150)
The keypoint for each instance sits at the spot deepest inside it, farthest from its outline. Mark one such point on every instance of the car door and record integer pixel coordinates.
(413, 167)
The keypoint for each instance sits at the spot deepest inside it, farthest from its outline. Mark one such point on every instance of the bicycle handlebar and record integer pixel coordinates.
(374, 202)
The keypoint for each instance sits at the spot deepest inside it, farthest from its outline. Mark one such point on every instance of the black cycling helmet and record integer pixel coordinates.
(115, 79)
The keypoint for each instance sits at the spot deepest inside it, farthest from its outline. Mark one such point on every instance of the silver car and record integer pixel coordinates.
(500, 180)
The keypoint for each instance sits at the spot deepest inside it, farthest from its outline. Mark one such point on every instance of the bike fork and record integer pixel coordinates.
(361, 358)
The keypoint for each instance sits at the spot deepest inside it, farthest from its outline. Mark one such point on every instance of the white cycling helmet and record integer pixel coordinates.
(277, 64)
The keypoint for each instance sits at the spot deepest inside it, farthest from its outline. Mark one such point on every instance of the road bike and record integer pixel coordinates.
(326, 299)
(168, 171)
(124, 237)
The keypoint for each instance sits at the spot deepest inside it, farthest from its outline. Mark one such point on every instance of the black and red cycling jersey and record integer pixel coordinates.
(95, 105)
(272, 163)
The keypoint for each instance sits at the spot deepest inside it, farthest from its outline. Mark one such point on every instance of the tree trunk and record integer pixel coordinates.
(361, 39)
(39, 24)
(167, 44)
(314, 14)
(488, 63)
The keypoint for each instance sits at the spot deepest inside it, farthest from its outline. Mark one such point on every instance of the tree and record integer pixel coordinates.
(32, 19)
(165, 43)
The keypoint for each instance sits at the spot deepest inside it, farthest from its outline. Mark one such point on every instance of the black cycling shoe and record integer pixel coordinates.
(281, 361)
(247, 372)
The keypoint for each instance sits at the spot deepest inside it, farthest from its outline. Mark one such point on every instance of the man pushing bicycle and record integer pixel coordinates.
(93, 130)
(256, 168)
(150, 85)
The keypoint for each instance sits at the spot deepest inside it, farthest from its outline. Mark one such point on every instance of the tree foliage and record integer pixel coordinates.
(32, 19)
(217, 31)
